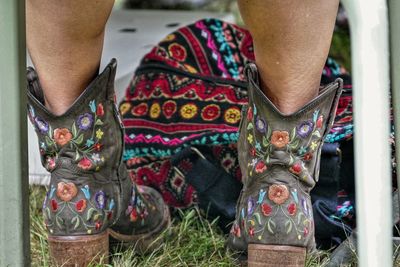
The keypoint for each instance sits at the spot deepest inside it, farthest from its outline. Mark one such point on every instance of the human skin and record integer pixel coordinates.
(291, 43)
(65, 42)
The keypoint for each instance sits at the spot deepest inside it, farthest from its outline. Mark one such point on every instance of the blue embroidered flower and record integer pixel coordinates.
(250, 206)
(41, 125)
(52, 190)
(92, 105)
(85, 121)
(100, 198)
(305, 128)
(89, 142)
(261, 196)
(111, 204)
(261, 126)
(86, 191)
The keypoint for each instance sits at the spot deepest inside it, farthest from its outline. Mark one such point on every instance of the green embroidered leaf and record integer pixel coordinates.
(74, 129)
(269, 132)
(59, 222)
(317, 134)
(265, 141)
(77, 155)
(76, 222)
(270, 224)
(299, 217)
(99, 122)
(89, 214)
(291, 160)
(258, 217)
(49, 142)
(293, 134)
(50, 132)
(97, 216)
(79, 140)
(288, 224)
(267, 160)
(294, 144)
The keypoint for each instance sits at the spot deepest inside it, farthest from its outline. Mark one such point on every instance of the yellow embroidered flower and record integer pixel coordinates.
(124, 108)
(155, 111)
(250, 138)
(313, 145)
(99, 134)
(188, 111)
(232, 115)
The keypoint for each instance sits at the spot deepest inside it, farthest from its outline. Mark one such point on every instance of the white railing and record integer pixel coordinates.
(370, 71)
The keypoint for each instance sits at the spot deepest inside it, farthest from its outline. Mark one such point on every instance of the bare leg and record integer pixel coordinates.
(65, 42)
(291, 42)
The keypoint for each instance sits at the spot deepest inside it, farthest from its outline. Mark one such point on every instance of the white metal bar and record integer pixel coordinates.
(370, 61)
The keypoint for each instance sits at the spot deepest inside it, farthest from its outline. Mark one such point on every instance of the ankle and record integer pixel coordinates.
(290, 93)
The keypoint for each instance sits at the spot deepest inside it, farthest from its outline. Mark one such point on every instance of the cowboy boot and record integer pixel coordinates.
(90, 195)
(279, 157)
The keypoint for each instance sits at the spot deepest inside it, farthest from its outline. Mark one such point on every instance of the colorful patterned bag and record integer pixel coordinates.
(183, 108)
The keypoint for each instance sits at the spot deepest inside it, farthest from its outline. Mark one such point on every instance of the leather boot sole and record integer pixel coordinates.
(275, 256)
(79, 251)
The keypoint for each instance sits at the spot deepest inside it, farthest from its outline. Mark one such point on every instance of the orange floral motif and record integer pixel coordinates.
(280, 138)
(66, 191)
(278, 193)
(188, 111)
(62, 136)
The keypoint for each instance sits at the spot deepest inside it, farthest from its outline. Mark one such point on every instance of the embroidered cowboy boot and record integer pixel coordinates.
(90, 195)
(279, 157)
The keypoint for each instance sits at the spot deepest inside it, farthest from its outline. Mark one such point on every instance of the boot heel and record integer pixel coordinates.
(275, 256)
(79, 251)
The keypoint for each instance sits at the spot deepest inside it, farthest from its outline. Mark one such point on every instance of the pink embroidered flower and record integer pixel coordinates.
(296, 168)
(252, 151)
(306, 231)
(80, 206)
(261, 167)
(62, 136)
(280, 138)
(134, 215)
(66, 191)
(54, 205)
(51, 163)
(85, 164)
(278, 193)
(236, 230)
(320, 121)
(292, 209)
(97, 146)
(100, 110)
(251, 231)
(308, 156)
(98, 225)
(249, 114)
(266, 209)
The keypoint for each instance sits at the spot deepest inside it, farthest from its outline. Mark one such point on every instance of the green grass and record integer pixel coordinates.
(190, 241)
